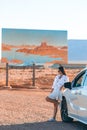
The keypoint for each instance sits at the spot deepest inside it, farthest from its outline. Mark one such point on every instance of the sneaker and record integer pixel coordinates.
(51, 120)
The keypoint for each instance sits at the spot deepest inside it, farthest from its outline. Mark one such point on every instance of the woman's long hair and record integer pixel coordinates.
(62, 70)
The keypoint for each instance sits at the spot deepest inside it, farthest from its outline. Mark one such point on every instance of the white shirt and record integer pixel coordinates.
(59, 82)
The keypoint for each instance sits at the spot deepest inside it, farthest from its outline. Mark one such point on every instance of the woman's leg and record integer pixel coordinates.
(51, 100)
(55, 102)
(55, 110)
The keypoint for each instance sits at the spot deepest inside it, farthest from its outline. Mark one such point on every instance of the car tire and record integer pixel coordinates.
(64, 112)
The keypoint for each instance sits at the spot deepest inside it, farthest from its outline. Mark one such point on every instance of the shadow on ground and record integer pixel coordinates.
(45, 126)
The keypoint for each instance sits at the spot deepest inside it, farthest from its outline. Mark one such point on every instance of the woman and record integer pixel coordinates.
(55, 95)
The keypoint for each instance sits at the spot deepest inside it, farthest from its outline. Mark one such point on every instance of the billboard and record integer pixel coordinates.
(77, 51)
(24, 47)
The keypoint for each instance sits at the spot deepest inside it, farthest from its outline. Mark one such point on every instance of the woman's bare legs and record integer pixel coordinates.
(55, 102)
(55, 110)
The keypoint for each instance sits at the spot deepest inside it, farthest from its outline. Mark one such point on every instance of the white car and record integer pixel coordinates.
(74, 99)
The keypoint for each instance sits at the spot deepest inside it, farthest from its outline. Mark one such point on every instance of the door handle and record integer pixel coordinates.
(78, 93)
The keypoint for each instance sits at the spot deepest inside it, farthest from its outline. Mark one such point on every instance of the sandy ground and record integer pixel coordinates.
(26, 109)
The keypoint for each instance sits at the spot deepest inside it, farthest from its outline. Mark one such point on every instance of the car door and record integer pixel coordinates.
(82, 100)
(74, 104)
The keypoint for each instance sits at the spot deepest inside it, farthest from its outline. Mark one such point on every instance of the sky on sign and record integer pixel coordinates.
(34, 37)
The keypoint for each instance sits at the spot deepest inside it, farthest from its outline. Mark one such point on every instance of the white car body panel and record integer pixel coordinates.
(76, 99)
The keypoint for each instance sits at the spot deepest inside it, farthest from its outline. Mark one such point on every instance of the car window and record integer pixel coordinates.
(85, 81)
(79, 81)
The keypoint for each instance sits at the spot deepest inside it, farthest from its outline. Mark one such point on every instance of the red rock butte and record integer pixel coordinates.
(47, 50)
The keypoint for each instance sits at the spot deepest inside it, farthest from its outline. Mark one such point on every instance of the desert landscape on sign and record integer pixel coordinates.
(44, 49)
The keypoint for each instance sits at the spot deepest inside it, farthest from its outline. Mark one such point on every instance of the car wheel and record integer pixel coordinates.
(64, 112)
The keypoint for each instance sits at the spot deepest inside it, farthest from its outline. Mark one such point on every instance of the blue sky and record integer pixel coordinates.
(32, 37)
(77, 51)
(70, 15)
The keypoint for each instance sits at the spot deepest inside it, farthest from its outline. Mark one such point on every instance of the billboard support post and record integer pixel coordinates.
(33, 75)
(7, 74)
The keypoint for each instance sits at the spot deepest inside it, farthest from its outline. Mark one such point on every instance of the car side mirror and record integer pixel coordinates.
(67, 85)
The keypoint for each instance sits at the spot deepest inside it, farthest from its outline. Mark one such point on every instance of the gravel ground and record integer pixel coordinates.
(26, 109)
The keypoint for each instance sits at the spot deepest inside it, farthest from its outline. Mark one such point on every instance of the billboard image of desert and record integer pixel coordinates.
(25, 47)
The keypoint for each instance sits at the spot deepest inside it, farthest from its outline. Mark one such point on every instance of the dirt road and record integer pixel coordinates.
(26, 109)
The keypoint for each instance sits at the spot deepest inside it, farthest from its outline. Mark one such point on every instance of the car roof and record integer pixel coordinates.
(84, 69)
